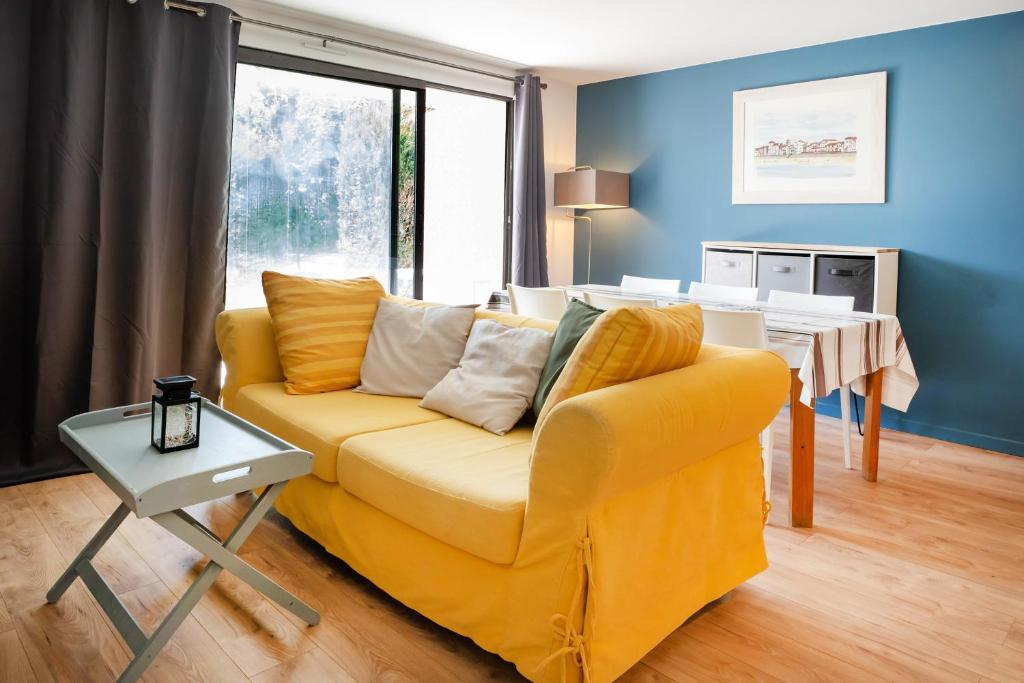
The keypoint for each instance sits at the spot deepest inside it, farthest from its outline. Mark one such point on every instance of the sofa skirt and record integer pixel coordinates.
(601, 592)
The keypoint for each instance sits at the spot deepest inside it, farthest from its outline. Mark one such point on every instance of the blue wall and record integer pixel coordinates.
(955, 199)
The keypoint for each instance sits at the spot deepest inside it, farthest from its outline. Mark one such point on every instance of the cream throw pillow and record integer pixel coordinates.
(411, 348)
(496, 379)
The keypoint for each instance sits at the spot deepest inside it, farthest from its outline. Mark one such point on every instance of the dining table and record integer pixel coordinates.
(824, 351)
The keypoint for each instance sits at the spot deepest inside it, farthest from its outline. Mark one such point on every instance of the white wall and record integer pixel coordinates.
(559, 105)
(559, 100)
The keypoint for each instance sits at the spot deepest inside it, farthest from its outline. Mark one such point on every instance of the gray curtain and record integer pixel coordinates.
(115, 136)
(529, 230)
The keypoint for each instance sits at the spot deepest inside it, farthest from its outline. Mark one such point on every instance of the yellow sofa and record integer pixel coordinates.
(571, 551)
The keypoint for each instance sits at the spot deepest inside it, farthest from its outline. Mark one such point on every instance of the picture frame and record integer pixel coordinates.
(817, 142)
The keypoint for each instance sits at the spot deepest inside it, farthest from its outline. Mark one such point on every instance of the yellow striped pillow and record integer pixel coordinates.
(630, 343)
(321, 328)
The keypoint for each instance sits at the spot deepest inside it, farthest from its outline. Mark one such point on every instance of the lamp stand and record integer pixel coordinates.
(590, 235)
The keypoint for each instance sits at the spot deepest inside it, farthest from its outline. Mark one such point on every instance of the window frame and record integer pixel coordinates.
(314, 67)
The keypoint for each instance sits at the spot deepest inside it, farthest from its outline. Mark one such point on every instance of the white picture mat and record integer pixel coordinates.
(862, 98)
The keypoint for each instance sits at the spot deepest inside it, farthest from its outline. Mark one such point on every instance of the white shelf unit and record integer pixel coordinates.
(870, 274)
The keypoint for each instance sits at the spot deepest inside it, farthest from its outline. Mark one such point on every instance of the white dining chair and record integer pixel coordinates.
(610, 301)
(810, 302)
(703, 290)
(631, 283)
(825, 304)
(538, 302)
(745, 329)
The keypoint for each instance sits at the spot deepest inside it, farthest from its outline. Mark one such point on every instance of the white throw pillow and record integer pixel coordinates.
(496, 379)
(411, 348)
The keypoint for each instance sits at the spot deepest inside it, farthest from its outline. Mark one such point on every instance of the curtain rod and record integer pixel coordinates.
(327, 38)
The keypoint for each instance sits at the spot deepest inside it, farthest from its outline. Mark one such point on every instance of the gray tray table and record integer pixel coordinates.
(233, 456)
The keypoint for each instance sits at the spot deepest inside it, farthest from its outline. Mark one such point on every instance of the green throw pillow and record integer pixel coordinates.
(575, 322)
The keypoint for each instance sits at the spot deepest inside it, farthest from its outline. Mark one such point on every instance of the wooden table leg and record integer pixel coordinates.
(872, 424)
(801, 456)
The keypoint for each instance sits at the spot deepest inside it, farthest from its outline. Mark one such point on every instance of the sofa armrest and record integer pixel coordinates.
(245, 337)
(602, 443)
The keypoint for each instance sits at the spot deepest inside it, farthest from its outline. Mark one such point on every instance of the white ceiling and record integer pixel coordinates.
(583, 42)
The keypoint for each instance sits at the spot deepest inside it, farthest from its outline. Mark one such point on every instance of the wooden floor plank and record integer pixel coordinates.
(1015, 636)
(777, 654)
(455, 654)
(986, 468)
(14, 666)
(681, 652)
(191, 655)
(97, 492)
(844, 637)
(314, 666)
(973, 556)
(27, 569)
(935, 593)
(67, 641)
(6, 617)
(361, 640)
(644, 673)
(810, 586)
(71, 520)
(16, 517)
(914, 577)
(960, 512)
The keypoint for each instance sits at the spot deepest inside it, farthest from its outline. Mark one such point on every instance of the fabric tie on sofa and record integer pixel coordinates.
(572, 640)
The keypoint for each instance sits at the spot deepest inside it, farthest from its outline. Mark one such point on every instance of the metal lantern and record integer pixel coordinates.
(175, 416)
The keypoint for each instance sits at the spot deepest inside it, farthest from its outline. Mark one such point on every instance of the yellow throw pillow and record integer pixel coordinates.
(321, 328)
(625, 344)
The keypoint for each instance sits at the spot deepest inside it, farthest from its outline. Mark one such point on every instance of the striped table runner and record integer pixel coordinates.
(841, 348)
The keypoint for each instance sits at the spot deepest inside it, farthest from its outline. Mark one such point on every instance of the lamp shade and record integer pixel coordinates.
(591, 189)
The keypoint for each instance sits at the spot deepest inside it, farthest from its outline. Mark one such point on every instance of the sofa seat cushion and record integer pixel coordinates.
(319, 423)
(458, 483)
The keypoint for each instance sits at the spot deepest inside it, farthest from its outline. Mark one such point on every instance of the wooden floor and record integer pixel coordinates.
(917, 577)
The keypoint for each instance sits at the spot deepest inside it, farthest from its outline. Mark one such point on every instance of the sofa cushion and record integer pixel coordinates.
(494, 383)
(321, 328)
(627, 344)
(319, 423)
(458, 483)
(412, 348)
(574, 323)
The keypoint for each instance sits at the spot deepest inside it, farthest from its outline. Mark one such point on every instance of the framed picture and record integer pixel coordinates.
(820, 142)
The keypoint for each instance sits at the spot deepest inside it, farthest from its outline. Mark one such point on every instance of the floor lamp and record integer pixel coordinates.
(585, 187)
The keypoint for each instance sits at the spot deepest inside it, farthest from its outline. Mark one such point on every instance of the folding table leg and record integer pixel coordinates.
(193, 533)
(88, 552)
(253, 516)
(186, 528)
(170, 624)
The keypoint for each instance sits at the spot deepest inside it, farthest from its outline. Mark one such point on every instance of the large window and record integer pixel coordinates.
(464, 197)
(337, 177)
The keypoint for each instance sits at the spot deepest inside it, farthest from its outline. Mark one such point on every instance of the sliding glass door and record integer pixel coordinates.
(311, 165)
(336, 177)
(465, 209)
